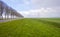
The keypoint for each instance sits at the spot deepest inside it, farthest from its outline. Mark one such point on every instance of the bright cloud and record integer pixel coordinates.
(43, 12)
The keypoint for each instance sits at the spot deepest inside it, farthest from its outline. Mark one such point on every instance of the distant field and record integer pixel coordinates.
(32, 27)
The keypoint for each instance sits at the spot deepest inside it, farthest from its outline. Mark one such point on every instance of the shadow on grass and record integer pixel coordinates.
(56, 24)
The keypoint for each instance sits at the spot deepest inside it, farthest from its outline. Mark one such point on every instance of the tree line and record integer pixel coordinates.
(8, 11)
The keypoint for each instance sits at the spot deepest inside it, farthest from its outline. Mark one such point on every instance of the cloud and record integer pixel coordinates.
(46, 8)
(42, 12)
(27, 2)
(36, 4)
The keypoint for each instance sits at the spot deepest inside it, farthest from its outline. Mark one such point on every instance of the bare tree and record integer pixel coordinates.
(8, 11)
(1, 8)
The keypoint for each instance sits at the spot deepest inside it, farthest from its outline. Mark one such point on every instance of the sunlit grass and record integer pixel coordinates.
(30, 28)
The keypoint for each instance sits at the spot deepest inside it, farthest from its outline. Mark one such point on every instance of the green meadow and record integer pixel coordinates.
(31, 27)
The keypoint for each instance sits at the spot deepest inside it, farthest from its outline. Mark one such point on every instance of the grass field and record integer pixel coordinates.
(32, 27)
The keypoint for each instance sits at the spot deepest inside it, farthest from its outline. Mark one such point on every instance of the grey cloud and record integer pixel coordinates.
(46, 3)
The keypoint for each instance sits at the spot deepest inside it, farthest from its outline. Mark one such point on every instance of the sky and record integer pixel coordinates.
(36, 8)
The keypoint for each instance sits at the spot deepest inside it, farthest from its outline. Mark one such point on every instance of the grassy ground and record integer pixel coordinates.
(31, 28)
